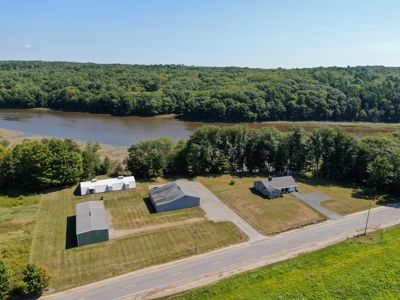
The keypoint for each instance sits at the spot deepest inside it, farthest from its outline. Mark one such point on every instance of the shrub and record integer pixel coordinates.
(5, 280)
(36, 279)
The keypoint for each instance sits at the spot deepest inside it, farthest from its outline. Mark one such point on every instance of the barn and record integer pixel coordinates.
(107, 185)
(173, 196)
(91, 223)
(275, 186)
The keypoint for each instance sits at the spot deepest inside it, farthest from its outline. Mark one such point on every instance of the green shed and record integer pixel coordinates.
(91, 223)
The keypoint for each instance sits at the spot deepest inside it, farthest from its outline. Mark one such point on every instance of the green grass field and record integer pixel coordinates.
(362, 268)
(54, 242)
(17, 223)
(266, 216)
(132, 209)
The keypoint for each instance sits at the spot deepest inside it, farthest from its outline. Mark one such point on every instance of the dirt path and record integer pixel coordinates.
(126, 232)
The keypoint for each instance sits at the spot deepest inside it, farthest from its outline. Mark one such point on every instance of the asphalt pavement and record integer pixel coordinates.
(314, 200)
(252, 251)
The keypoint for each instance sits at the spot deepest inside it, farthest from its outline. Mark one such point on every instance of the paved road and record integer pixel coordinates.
(218, 211)
(256, 250)
(314, 200)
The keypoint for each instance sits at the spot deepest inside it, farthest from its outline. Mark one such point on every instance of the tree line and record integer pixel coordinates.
(325, 152)
(370, 93)
(328, 153)
(37, 164)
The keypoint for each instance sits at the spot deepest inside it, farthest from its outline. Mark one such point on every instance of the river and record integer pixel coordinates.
(120, 131)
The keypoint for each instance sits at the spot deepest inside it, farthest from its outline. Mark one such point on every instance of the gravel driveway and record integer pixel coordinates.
(218, 211)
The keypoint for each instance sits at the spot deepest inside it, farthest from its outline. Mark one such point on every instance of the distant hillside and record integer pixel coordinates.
(205, 93)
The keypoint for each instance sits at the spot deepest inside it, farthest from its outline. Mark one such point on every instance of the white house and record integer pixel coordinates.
(107, 185)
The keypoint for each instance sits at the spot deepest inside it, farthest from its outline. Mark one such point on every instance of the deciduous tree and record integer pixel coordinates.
(5, 280)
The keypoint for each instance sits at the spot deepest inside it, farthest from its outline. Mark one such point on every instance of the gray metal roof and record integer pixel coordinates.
(279, 182)
(171, 192)
(90, 215)
(272, 188)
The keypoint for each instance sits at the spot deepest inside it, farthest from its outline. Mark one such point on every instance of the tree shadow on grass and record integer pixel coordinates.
(234, 175)
(70, 233)
(250, 175)
(149, 205)
(19, 296)
(313, 181)
(381, 197)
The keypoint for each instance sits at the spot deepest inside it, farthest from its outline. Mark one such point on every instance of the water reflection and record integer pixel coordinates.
(119, 131)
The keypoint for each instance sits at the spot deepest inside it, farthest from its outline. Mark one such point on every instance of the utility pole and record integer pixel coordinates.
(366, 224)
(195, 244)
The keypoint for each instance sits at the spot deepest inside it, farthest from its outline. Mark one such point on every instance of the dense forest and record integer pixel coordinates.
(231, 94)
(338, 155)
(372, 160)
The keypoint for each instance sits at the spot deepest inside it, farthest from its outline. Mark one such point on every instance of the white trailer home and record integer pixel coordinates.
(107, 185)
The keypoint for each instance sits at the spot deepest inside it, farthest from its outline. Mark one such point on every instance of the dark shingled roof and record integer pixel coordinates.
(90, 216)
(171, 192)
(279, 182)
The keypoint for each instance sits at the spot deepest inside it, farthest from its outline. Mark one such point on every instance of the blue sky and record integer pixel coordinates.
(251, 33)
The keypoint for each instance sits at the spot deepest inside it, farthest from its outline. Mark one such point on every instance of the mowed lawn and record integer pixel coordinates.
(347, 198)
(266, 216)
(362, 268)
(132, 209)
(54, 241)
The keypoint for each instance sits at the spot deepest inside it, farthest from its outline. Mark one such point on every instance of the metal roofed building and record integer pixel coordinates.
(91, 223)
(107, 185)
(275, 186)
(173, 196)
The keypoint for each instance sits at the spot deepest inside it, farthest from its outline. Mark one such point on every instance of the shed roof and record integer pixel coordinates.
(110, 181)
(171, 192)
(90, 215)
(279, 182)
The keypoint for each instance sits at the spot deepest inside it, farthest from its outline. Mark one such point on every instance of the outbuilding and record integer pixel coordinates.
(173, 196)
(275, 186)
(91, 223)
(107, 185)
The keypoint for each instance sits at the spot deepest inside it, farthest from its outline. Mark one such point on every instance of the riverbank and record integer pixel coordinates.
(128, 130)
(340, 124)
(179, 117)
(114, 153)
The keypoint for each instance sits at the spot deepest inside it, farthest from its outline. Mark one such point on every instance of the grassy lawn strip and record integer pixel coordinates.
(356, 269)
(17, 223)
(133, 209)
(347, 198)
(266, 216)
(54, 243)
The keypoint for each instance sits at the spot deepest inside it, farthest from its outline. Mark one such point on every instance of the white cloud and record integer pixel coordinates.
(28, 46)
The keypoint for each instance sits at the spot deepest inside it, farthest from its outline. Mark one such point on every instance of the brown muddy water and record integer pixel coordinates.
(122, 131)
